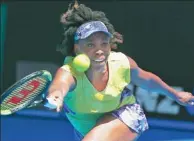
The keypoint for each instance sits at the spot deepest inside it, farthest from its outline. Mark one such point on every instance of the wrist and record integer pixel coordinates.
(56, 91)
(172, 93)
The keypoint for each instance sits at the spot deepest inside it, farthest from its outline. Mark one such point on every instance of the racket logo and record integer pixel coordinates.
(23, 93)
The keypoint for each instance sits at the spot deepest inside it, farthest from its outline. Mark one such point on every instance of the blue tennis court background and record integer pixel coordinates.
(36, 125)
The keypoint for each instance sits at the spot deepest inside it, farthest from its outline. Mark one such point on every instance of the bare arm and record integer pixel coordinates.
(61, 84)
(63, 81)
(151, 82)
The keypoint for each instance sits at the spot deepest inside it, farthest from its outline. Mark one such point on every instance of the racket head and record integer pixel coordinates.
(21, 94)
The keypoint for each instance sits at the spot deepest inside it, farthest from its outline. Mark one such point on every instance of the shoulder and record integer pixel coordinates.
(67, 66)
(117, 56)
(68, 72)
(132, 62)
(67, 63)
(121, 56)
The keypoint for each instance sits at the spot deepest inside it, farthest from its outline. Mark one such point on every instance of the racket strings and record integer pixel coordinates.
(8, 105)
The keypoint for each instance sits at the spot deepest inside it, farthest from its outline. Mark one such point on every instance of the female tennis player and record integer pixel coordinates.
(99, 104)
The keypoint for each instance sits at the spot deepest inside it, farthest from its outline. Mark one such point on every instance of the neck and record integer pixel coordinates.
(92, 74)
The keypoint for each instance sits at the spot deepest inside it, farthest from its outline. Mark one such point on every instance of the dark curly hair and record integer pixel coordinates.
(75, 17)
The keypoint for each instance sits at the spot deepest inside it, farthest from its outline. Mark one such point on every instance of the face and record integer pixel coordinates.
(96, 47)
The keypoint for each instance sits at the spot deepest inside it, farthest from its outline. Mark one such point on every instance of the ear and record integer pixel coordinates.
(76, 49)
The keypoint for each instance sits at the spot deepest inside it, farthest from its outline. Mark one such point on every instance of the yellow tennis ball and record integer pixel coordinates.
(81, 62)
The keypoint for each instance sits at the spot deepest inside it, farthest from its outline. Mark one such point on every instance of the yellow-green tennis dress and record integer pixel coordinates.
(88, 103)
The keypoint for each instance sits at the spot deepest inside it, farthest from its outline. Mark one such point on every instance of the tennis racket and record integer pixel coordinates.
(27, 92)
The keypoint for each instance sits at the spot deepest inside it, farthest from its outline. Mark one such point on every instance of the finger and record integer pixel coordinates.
(59, 108)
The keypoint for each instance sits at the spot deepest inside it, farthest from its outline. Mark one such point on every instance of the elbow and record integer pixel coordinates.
(147, 80)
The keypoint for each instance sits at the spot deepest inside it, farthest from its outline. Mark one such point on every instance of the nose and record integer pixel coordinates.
(99, 52)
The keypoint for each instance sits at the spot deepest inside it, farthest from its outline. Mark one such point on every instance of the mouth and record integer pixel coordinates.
(100, 60)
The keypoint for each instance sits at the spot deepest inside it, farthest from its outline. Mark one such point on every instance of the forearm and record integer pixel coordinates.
(62, 88)
(62, 82)
(155, 84)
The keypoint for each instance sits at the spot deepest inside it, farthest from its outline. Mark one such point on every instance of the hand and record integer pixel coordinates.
(185, 98)
(55, 98)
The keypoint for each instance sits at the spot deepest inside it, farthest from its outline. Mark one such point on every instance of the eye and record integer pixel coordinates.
(105, 44)
(90, 45)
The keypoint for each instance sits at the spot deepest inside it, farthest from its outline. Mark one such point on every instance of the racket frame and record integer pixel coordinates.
(29, 103)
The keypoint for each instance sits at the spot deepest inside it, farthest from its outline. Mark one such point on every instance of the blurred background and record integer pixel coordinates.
(159, 36)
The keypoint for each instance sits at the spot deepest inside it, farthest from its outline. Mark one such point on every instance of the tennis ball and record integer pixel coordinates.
(81, 62)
